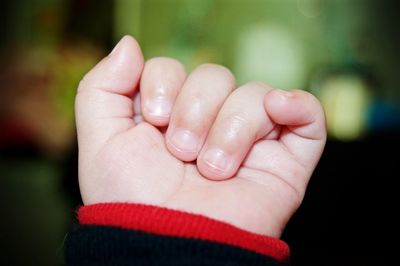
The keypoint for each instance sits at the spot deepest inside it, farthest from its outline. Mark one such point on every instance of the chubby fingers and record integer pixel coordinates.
(160, 84)
(241, 121)
(195, 109)
(208, 122)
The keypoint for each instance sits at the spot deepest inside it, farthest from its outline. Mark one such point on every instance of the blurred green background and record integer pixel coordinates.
(343, 51)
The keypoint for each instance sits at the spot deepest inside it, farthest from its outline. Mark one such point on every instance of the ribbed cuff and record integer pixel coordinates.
(167, 222)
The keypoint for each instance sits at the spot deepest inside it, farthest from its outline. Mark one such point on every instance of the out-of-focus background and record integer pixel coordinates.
(345, 52)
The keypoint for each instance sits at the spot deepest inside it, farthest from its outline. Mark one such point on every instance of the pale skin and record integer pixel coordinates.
(150, 133)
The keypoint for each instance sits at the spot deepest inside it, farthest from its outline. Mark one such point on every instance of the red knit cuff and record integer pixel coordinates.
(167, 222)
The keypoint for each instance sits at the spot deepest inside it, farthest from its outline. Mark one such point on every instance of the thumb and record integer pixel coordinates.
(303, 124)
(104, 104)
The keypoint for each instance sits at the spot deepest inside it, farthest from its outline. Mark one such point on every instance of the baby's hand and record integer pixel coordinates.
(241, 156)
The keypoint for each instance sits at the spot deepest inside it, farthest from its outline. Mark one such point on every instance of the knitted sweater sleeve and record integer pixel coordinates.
(136, 234)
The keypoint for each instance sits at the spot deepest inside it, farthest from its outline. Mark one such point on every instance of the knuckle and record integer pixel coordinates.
(238, 119)
(219, 70)
(236, 126)
(161, 63)
(255, 85)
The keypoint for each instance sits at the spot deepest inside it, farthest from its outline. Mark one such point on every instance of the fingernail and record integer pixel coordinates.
(217, 159)
(159, 106)
(184, 140)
